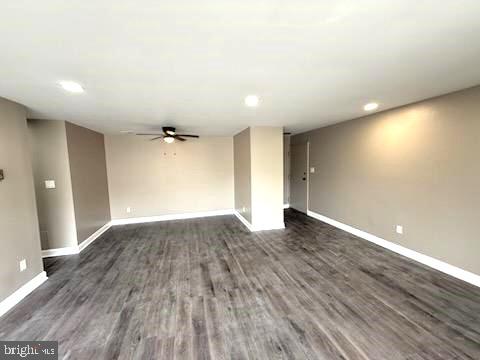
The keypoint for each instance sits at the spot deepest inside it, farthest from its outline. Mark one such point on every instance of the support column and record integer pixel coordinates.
(258, 157)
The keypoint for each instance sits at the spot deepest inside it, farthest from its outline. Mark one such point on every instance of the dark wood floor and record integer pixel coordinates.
(208, 288)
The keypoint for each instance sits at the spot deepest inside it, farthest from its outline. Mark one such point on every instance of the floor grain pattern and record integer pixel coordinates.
(209, 289)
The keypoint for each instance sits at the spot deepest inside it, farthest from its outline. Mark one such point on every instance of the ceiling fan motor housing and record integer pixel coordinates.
(169, 130)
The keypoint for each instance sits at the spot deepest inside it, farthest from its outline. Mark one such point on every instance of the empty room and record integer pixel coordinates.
(271, 179)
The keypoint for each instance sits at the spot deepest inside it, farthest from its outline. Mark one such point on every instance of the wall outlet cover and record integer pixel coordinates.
(399, 229)
(312, 170)
(23, 264)
(129, 210)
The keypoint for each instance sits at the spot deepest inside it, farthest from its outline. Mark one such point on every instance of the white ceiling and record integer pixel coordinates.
(190, 63)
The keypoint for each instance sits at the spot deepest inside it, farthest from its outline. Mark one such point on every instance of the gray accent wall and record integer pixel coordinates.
(88, 169)
(286, 169)
(74, 157)
(50, 162)
(416, 166)
(19, 233)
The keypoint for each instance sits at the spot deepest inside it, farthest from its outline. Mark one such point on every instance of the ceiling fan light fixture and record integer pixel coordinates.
(71, 86)
(252, 101)
(370, 106)
(168, 134)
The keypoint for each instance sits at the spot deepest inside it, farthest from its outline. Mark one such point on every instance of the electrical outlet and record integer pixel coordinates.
(129, 209)
(244, 209)
(399, 229)
(23, 264)
(312, 170)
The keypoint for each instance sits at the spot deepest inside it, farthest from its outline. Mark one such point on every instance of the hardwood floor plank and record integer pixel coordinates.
(210, 289)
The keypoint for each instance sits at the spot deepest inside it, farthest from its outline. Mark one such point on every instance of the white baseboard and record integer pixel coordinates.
(192, 215)
(286, 206)
(94, 236)
(72, 250)
(21, 293)
(266, 227)
(421, 258)
(244, 221)
(263, 227)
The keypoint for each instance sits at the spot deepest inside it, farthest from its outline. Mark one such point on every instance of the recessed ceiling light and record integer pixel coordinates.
(71, 86)
(370, 106)
(252, 101)
(169, 139)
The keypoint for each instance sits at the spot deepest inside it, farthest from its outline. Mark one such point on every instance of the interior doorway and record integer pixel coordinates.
(299, 178)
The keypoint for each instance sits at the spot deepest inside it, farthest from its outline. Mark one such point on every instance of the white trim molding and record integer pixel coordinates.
(286, 206)
(244, 221)
(269, 226)
(192, 215)
(411, 254)
(22, 292)
(73, 250)
(253, 228)
(94, 236)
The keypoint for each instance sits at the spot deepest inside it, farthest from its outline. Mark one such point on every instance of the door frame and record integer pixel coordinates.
(307, 177)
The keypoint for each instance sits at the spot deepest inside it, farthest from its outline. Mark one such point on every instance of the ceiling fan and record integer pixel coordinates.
(169, 135)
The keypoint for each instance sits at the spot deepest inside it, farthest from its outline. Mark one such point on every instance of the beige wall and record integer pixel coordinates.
(267, 176)
(243, 172)
(86, 151)
(50, 162)
(156, 178)
(20, 237)
(416, 166)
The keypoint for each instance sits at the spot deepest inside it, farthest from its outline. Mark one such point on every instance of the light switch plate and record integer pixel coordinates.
(49, 184)
(399, 229)
(129, 210)
(312, 170)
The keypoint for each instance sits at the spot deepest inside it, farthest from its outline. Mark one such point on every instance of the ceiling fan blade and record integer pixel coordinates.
(156, 138)
(177, 137)
(185, 135)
